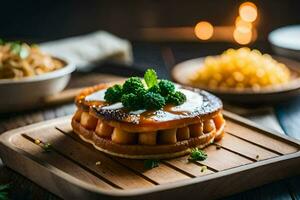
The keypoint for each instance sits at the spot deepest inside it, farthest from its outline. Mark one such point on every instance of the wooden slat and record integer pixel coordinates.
(259, 138)
(59, 162)
(245, 148)
(161, 174)
(73, 150)
(183, 164)
(215, 158)
(221, 159)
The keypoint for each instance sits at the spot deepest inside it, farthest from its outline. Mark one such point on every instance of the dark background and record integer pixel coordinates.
(46, 20)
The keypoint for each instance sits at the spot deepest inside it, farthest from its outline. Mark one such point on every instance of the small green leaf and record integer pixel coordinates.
(149, 164)
(150, 78)
(47, 147)
(19, 50)
(15, 48)
(197, 155)
(1, 41)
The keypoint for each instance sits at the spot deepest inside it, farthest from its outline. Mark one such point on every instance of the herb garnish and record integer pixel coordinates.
(197, 155)
(150, 78)
(135, 95)
(47, 147)
(18, 49)
(150, 164)
(3, 191)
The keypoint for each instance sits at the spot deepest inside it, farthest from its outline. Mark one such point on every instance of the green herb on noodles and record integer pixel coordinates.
(15, 47)
(19, 50)
(150, 164)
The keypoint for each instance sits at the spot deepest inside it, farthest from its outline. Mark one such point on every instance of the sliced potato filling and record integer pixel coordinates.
(168, 136)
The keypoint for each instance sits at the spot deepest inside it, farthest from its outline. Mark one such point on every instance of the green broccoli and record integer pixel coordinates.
(153, 101)
(166, 87)
(154, 89)
(176, 98)
(133, 85)
(132, 101)
(113, 94)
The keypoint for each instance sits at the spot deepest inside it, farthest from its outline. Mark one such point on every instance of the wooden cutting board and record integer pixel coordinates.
(247, 156)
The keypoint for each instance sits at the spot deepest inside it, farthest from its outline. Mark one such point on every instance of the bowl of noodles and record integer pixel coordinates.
(28, 75)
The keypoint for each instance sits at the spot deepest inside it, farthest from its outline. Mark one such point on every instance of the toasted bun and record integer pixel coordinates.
(144, 151)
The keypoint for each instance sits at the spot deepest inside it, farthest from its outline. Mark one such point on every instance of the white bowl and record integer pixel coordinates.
(286, 41)
(29, 92)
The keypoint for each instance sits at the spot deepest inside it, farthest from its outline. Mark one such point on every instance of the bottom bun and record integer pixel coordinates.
(137, 151)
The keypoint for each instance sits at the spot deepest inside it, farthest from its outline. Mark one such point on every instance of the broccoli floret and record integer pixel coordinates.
(166, 87)
(113, 94)
(176, 98)
(154, 89)
(133, 85)
(132, 101)
(153, 101)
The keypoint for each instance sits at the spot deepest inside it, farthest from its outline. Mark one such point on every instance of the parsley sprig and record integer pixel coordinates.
(197, 155)
(150, 164)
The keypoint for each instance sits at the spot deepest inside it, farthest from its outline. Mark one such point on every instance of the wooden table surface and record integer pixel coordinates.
(284, 118)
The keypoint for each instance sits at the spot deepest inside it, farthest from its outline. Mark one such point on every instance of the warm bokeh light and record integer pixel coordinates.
(204, 30)
(242, 25)
(242, 37)
(248, 11)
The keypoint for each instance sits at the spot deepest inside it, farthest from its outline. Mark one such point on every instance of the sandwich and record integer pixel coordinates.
(147, 118)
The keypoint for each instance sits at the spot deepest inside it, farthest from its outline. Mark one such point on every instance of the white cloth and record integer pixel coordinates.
(91, 48)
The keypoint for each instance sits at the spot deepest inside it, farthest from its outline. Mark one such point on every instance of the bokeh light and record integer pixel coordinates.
(242, 37)
(204, 30)
(242, 25)
(248, 11)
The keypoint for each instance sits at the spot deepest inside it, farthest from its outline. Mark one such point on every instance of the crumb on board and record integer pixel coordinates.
(98, 163)
(37, 141)
(203, 168)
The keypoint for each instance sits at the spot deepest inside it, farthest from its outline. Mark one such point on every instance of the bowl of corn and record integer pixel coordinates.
(245, 73)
